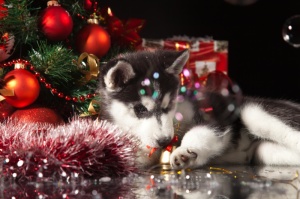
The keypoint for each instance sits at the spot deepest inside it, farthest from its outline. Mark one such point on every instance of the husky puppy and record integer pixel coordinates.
(139, 93)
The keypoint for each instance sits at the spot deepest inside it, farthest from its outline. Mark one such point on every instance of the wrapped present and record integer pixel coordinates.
(206, 54)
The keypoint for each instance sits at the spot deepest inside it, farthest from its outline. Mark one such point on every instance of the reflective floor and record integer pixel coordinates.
(221, 182)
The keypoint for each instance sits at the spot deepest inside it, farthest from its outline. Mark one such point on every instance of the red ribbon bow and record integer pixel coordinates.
(167, 148)
(126, 32)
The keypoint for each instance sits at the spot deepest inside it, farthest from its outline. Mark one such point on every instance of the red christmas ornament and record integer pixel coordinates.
(25, 86)
(56, 23)
(88, 4)
(93, 39)
(36, 114)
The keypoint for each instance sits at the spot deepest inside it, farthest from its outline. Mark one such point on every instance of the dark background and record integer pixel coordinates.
(260, 61)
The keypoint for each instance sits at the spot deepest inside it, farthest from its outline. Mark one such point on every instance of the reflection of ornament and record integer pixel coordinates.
(80, 148)
(291, 31)
(7, 42)
(24, 85)
(93, 39)
(56, 23)
(36, 114)
(125, 32)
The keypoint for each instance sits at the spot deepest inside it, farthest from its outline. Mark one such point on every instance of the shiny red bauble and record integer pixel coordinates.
(37, 114)
(88, 5)
(93, 39)
(25, 86)
(55, 23)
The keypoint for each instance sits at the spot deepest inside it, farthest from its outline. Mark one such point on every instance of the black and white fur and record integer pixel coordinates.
(265, 131)
(149, 119)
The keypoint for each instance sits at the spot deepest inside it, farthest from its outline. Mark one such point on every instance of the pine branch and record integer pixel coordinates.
(74, 7)
(21, 21)
(56, 63)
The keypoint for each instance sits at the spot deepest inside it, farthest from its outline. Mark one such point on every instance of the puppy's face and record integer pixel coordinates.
(139, 93)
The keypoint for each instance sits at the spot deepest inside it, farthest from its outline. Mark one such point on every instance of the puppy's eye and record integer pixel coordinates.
(140, 110)
(165, 110)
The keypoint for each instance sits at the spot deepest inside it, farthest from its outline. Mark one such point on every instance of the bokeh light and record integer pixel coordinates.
(291, 31)
(215, 99)
(148, 87)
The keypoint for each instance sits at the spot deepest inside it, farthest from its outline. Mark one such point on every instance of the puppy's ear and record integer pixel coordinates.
(176, 60)
(118, 75)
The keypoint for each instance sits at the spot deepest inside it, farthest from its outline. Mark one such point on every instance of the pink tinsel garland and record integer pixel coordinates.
(80, 148)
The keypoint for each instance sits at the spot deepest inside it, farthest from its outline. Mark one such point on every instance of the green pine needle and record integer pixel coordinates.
(56, 63)
(21, 20)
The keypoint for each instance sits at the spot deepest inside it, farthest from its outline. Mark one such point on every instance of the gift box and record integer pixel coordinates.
(206, 54)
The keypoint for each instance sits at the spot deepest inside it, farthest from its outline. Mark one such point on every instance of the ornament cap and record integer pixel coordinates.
(53, 3)
(19, 66)
(93, 21)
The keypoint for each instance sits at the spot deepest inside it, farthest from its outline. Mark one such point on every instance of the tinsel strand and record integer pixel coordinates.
(86, 148)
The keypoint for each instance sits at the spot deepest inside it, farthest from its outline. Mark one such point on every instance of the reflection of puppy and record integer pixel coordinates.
(268, 182)
(139, 93)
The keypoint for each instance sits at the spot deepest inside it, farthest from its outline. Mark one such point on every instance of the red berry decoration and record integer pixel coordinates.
(93, 39)
(25, 86)
(56, 23)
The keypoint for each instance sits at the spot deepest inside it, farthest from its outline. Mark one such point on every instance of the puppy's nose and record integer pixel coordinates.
(164, 141)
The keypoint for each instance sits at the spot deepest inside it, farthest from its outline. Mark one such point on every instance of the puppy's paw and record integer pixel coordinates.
(183, 158)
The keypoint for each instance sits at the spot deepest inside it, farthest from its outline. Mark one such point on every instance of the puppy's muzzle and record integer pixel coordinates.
(162, 142)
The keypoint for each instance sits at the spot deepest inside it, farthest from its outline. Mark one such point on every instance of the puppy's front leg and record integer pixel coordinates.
(198, 146)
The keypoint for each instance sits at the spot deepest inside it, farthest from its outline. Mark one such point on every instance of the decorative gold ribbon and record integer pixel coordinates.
(92, 64)
(6, 92)
(91, 110)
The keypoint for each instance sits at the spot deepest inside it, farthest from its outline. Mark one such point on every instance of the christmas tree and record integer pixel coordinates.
(61, 44)
(50, 58)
